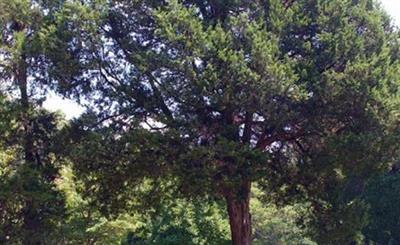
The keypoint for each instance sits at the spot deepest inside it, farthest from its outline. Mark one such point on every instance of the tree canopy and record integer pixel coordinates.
(204, 99)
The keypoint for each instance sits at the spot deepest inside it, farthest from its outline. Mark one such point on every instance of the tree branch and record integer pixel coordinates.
(248, 123)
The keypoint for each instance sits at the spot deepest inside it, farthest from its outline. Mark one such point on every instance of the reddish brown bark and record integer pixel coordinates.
(239, 214)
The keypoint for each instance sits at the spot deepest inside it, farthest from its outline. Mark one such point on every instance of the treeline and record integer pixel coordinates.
(206, 122)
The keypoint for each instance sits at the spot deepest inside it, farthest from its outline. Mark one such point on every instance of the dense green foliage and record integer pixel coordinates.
(190, 104)
(215, 95)
(278, 225)
(31, 208)
(382, 195)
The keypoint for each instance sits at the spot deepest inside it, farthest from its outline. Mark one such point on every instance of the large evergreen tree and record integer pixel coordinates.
(31, 208)
(211, 96)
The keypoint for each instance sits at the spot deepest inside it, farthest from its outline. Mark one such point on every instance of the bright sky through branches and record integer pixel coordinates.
(68, 107)
(393, 8)
(72, 109)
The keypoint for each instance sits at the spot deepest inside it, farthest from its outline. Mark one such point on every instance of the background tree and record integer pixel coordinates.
(174, 221)
(382, 196)
(278, 225)
(216, 95)
(31, 207)
(28, 194)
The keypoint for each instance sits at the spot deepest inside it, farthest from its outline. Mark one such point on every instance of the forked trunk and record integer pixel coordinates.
(239, 214)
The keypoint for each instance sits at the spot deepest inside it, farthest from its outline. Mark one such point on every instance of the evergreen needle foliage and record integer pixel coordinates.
(193, 102)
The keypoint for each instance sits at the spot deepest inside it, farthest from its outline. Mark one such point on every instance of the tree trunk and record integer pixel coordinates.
(31, 221)
(239, 214)
(22, 82)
